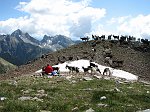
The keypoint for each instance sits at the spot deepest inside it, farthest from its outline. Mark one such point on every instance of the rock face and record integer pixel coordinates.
(56, 42)
(19, 48)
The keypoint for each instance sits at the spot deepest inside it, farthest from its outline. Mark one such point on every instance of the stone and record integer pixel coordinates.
(42, 91)
(87, 78)
(37, 99)
(2, 98)
(41, 95)
(103, 98)
(75, 109)
(97, 76)
(23, 98)
(102, 105)
(69, 77)
(107, 78)
(90, 110)
(27, 91)
(116, 89)
(147, 110)
(44, 111)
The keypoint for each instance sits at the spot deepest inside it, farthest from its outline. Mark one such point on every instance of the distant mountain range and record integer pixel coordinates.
(19, 48)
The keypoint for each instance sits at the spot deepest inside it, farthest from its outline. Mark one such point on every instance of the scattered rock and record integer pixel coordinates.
(2, 98)
(69, 77)
(23, 98)
(73, 81)
(102, 105)
(147, 110)
(130, 105)
(107, 78)
(90, 110)
(44, 111)
(37, 75)
(97, 76)
(58, 81)
(42, 91)
(103, 98)
(116, 89)
(129, 87)
(27, 91)
(41, 95)
(37, 99)
(87, 78)
(13, 82)
(75, 109)
(87, 89)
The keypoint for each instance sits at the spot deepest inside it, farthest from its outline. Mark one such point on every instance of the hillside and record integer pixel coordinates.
(5, 66)
(135, 61)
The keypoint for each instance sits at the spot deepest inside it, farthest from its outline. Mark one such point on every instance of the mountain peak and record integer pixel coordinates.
(17, 33)
(45, 36)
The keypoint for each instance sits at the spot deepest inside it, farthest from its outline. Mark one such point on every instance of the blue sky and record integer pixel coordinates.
(7, 9)
(123, 7)
(76, 18)
(114, 8)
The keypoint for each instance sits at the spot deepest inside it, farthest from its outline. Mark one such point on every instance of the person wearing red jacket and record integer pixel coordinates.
(48, 69)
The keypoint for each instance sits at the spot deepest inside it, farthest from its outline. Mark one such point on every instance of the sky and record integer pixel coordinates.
(76, 18)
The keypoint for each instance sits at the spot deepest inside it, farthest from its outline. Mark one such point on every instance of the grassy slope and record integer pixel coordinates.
(61, 95)
(5, 66)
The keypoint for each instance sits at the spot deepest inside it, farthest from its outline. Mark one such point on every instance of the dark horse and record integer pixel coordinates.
(84, 38)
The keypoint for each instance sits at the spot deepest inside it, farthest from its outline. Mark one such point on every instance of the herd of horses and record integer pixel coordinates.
(109, 37)
(123, 39)
(92, 68)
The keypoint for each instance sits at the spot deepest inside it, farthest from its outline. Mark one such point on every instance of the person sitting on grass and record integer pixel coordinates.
(47, 70)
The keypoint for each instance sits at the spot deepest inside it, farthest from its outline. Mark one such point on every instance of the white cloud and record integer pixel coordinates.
(12, 24)
(138, 26)
(118, 20)
(53, 17)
